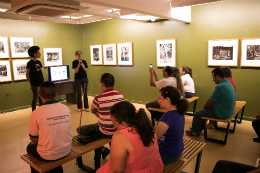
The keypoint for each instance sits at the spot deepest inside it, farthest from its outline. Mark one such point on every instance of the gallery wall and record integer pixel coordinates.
(46, 35)
(232, 19)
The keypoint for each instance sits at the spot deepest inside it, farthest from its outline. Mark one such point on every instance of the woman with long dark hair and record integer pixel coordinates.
(80, 68)
(187, 81)
(133, 147)
(170, 128)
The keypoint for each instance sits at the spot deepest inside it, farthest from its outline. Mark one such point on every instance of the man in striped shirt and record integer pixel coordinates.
(101, 106)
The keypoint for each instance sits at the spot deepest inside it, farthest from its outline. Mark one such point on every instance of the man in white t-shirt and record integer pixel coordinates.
(49, 128)
(168, 81)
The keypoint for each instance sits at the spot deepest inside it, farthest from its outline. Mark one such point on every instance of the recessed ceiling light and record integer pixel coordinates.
(87, 15)
(66, 17)
(3, 10)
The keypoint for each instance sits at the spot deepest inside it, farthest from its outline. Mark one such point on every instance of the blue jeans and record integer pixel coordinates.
(198, 123)
(188, 95)
(78, 84)
(35, 90)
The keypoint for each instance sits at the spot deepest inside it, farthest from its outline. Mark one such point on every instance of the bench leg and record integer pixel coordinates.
(198, 162)
(194, 107)
(215, 140)
(84, 167)
(97, 158)
(152, 117)
(241, 116)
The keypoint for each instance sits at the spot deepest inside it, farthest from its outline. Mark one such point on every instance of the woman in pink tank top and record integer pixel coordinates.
(134, 147)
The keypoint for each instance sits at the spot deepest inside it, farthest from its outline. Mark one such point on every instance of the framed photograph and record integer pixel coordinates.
(19, 69)
(166, 53)
(109, 54)
(125, 53)
(96, 55)
(20, 46)
(5, 71)
(4, 52)
(222, 52)
(250, 52)
(52, 57)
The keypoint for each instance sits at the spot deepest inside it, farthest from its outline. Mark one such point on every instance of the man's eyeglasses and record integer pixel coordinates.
(79, 54)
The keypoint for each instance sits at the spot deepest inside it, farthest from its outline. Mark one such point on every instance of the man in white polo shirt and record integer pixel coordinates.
(49, 128)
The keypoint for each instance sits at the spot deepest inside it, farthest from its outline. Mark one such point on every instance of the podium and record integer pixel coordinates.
(67, 87)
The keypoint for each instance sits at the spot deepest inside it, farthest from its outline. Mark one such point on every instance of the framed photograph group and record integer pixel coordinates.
(166, 53)
(52, 57)
(109, 54)
(222, 52)
(250, 52)
(19, 69)
(125, 54)
(96, 55)
(4, 52)
(5, 71)
(20, 46)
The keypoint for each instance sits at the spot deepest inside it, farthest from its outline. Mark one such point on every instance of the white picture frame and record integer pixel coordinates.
(19, 69)
(125, 54)
(5, 71)
(19, 46)
(96, 55)
(52, 57)
(250, 52)
(223, 52)
(4, 51)
(166, 53)
(109, 54)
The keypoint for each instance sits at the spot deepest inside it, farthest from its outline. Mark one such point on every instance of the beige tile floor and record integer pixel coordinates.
(14, 139)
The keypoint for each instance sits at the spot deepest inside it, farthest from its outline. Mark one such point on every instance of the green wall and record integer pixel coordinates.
(45, 35)
(232, 19)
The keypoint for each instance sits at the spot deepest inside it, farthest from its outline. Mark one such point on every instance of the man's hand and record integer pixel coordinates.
(258, 116)
(30, 88)
(96, 114)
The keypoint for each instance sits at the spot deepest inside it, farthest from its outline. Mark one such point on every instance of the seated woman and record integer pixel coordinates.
(133, 147)
(170, 129)
(187, 81)
(228, 75)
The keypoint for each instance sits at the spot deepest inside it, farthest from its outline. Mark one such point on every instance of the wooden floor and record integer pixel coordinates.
(14, 139)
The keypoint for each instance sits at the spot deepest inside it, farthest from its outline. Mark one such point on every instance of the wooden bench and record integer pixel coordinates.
(77, 150)
(191, 150)
(239, 105)
(257, 164)
(163, 110)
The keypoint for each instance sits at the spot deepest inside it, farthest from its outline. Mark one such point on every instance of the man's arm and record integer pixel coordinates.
(151, 78)
(85, 69)
(27, 76)
(155, 76)
(208, 104)
(34, 140)
(94, 110)
(77, 68)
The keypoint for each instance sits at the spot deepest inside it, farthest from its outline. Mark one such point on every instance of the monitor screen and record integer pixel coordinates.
(58, 73)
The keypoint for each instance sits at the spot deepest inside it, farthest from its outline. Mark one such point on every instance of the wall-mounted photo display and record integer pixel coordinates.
(4, 52)
(52, 57)
(5, 71)
(19, 69)
(109, 54)
(19, 46)
(125, 53)
(223, 52)
(96, 54)
(250, 52)
(166, 53)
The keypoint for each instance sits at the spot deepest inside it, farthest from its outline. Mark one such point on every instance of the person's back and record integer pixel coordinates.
(224, 97)
(142, 158)
(188, 83)
(53, 120)
(171, 143)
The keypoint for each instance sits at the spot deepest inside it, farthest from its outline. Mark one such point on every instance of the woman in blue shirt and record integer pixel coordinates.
(170, 128)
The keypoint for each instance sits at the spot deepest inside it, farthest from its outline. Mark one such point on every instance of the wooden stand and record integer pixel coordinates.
(67, 87)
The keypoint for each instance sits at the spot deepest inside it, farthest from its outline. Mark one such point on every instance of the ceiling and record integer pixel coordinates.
(86, 11)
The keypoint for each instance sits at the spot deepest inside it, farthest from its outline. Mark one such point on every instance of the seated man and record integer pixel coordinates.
(49, 128)
(101, 106)
(220, 105)
(256, 126)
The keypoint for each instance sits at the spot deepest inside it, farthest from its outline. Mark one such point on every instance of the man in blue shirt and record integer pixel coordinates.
(220, 105)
